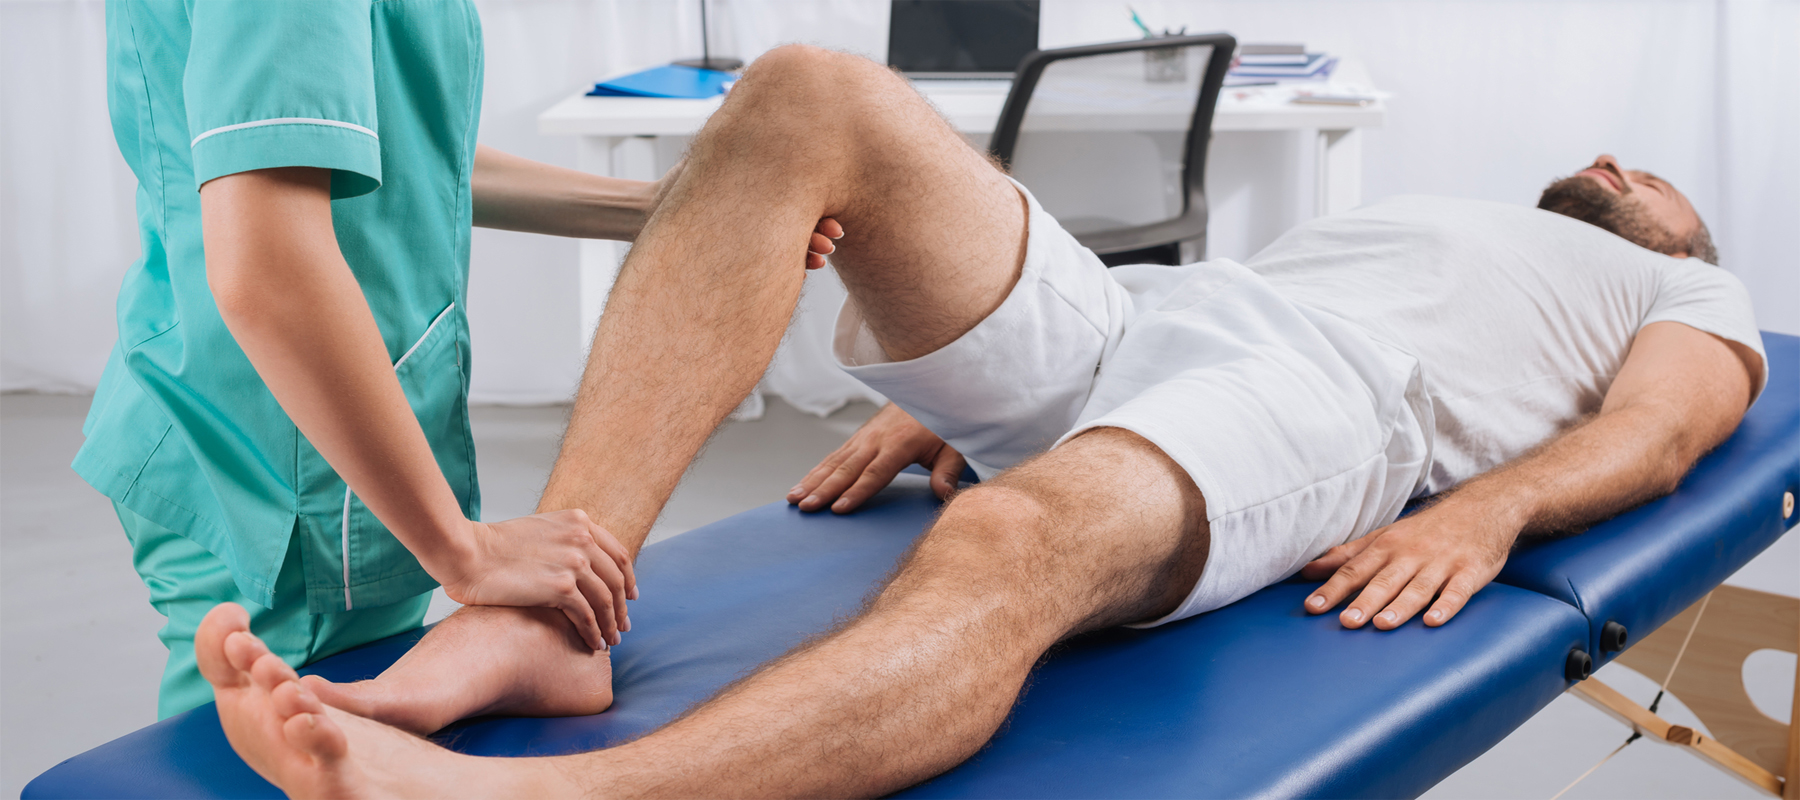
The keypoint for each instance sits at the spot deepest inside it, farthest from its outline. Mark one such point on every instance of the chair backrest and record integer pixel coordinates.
(1112, 138)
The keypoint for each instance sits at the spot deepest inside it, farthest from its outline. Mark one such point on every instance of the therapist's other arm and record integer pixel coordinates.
(1679, 394)
(517, 194)
(291, 302)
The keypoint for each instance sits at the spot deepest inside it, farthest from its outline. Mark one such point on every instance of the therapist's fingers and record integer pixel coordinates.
(946, 471)
(821, 245)
(1413, 598)
(1377, 593)
(612, 582)
(610, 545)
(830, 227)
(879, 473)
(576, 601)
(597, 596)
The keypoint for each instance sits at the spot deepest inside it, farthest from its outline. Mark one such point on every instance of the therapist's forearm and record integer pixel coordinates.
(518, 194)
(292, 304)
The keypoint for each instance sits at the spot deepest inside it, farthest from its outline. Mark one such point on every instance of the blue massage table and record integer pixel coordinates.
(1257, 699)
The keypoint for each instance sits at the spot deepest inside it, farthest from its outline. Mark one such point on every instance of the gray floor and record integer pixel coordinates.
(79, 657)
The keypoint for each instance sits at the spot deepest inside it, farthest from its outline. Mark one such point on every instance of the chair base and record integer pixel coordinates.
(1169, 254)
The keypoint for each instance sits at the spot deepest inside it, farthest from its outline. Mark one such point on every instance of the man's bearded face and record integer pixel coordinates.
(1580, 197)
(1635, 205)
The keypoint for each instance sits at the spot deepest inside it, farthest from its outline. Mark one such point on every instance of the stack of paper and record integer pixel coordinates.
(1278, 63)
(670, 81)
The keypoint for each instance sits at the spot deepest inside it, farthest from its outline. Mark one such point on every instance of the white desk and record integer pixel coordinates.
(618, 138)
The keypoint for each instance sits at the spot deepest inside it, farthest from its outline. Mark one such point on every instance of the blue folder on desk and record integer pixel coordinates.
(670, 81)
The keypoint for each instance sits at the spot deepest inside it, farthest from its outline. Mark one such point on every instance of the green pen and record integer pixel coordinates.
(1135, 20)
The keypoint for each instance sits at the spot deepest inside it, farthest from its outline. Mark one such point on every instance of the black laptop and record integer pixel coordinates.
(979, 39)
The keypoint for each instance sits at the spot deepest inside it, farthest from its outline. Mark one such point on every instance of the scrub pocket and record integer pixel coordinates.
(352, 560)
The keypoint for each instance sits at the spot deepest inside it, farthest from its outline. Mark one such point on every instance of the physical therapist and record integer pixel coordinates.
(283, 423)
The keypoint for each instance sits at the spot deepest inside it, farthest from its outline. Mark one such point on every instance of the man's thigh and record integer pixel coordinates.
(1103, 530)
(934, 232)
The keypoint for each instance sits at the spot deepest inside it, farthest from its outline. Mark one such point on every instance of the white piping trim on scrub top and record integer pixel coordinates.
(282, 121)
(424, 336)
(403, 358)
(347, 605)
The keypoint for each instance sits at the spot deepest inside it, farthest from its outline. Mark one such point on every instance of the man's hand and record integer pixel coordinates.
(889, 442)
(1448, 551)
(1680, 392)
(557, 560)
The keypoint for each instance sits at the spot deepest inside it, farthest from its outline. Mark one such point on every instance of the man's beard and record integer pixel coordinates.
(1584, 199)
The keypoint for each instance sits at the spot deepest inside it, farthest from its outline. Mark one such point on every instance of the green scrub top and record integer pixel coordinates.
(385, 94)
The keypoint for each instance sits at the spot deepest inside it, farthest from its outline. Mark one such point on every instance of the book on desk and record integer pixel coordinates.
(671, 81)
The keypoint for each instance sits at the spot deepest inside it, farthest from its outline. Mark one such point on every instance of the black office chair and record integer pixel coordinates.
(1111, 139)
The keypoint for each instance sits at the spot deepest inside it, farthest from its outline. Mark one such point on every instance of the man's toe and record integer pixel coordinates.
(209, 644)
(317, 736)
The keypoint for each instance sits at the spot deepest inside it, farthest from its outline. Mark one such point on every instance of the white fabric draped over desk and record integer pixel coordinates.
(1491, 100)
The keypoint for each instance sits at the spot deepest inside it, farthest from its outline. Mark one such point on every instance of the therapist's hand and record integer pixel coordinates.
(1448, 551)
(821, 245)
(557, 560)
(889, 442)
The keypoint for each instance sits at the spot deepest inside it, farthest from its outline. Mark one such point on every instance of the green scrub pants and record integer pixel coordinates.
(186, 581)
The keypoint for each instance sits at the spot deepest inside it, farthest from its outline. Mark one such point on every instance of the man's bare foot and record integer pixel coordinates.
(526, 662)
(283, 732)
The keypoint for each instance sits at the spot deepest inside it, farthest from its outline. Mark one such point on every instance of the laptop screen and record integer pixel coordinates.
(961, 38)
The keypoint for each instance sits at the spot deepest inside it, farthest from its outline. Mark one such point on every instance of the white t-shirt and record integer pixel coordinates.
(1519, 317)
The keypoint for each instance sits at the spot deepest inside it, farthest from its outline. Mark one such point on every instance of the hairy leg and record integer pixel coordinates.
(934, 240)
(1101, 531)
(526, 662)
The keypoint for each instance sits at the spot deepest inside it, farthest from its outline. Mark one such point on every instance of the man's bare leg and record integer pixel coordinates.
(934, 242)
(522, 662)
(1101, 531)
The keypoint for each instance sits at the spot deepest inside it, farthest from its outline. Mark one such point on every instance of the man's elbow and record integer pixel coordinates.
(1692, 442)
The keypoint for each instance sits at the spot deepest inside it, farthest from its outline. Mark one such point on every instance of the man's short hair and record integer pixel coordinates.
(1585, 200)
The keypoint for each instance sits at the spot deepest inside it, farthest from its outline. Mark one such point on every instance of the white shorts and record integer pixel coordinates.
(1300, 431)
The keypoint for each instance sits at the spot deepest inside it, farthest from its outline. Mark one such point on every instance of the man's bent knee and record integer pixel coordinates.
(1001, 523)
(989, 540)
(814, 75)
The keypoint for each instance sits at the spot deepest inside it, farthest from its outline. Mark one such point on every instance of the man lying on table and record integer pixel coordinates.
(1155, 442)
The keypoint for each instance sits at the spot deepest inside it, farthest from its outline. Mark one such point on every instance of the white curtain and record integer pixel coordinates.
(1493, 98)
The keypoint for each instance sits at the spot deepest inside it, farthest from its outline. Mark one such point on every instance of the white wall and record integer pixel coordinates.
(1492, 99)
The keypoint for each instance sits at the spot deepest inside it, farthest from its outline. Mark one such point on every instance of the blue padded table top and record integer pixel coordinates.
(1643, 567)
(1256, 699)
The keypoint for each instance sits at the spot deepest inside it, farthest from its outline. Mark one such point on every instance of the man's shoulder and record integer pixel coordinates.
(1491, 223)
(1417, 223)
(1446, 209)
